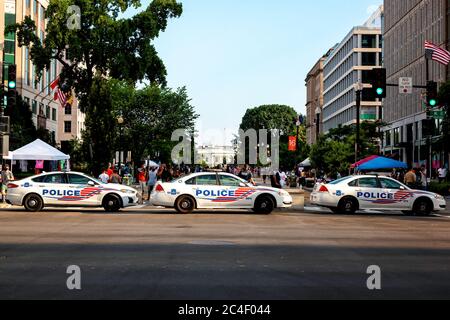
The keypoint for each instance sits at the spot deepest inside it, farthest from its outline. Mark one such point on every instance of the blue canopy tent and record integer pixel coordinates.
(380, 163)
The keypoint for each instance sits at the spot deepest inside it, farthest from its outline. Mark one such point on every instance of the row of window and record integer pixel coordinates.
(50, 113)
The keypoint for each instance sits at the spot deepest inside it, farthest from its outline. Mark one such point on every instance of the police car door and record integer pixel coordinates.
(398, 195)
(236, 196)
(52, 188)
(80, 192)
(368, 192)
(207, 191)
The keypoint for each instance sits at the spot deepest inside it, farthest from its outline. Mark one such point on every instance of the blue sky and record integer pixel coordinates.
(236, 54)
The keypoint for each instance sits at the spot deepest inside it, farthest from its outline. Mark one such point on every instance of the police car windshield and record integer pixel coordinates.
(340, 180)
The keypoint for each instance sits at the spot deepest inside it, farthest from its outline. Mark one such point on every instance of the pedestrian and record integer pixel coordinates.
(247, 175)
(283, 179)
(110, 170)
(424, 178)
(442, 174)
(104, 177)
(152, 179)
(411, 179)
(115, 177)
(142, 178)
(275, 180)
(7, 177)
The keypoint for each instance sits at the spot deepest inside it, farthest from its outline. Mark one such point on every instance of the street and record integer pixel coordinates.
(145, 253)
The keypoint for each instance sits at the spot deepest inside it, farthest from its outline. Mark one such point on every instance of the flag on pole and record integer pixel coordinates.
(292, 143)
(436, 53)
(59, 94)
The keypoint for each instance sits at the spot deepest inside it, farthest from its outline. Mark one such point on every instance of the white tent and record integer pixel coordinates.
(37, 150)
(306, 163)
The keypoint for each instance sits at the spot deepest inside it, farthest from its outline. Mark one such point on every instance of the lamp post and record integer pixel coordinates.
(318, 112)
(120, 122)
(358, 90)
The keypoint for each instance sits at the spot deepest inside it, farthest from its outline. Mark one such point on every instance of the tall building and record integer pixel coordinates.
(407, 26)
(314, 100)
(359, 52)
(47, 113)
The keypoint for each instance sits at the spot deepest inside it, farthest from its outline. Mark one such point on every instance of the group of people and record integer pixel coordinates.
(418, 178)
(6, 176)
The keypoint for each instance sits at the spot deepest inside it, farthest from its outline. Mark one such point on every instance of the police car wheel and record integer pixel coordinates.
(111, 203)
(33, 203)
(264, 205)
(347, 206)
(422, 207)
(185, 204)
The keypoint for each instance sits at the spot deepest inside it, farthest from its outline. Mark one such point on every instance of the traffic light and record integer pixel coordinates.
(12, 84)
(432, 93)
(12, 76)
(377, 78)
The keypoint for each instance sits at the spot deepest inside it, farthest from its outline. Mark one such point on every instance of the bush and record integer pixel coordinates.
(440, 188)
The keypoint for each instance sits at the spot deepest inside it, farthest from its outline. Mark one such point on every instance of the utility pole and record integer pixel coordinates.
(358, 90)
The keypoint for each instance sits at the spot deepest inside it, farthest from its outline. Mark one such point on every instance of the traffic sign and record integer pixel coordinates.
(405, 85)
(438, 114)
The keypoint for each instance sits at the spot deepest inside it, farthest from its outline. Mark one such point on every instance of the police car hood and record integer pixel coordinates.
(268, 189)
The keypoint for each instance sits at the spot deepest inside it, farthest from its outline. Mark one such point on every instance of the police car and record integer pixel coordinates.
(217, 191)
(347, 195)
(69, 189)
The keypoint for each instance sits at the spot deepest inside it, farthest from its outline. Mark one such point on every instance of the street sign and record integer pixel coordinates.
(405, 85)
(292, 143)
(438, 114)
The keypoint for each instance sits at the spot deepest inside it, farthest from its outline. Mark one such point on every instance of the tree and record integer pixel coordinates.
(444, 99)
(278, 117)
(101, 46)
(151, 115)
(23, 130)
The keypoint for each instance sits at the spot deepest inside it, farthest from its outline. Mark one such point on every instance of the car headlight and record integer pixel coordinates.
(283, 194)
(128, 191)
(439, 197)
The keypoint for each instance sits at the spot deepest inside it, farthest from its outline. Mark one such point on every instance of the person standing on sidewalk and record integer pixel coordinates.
(411, 179)
(152, 179)
(115, 177)
(7, 177)
(142, 178)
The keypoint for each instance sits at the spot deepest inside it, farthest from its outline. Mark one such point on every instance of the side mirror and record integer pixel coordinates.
(402, 188)
(91, 183)
(242, 185)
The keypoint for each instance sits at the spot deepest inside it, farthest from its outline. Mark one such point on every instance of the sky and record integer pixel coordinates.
(238, 54)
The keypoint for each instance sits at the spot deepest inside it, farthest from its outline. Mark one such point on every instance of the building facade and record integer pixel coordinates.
(214, 156)
(408, 24)
(347, 66)
(47, 113)
(314, 101)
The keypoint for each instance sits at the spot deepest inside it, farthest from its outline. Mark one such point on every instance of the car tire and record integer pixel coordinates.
(347, 206)
(185, 205)
(112, 203)
(264, 205)
(423, 207)
(33, 203)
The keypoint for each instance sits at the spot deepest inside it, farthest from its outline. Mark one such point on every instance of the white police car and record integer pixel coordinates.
(217, 191)
(347, 195)
(69, 189)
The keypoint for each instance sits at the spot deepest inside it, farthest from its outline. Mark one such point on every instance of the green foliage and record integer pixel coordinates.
(105, 46)
(23, 130)
(444, 99)
(335, 152)
(440, 188)
(283, 118)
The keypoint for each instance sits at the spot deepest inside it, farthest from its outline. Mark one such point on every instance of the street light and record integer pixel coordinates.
(120, 122)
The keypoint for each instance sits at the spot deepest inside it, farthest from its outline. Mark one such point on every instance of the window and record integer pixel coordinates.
(388, 138)
(207, 180)
(191, 182)
(368, 183)
(51, 178)
(34, 107)
(369, 41)
(228, 181)
(68, 109)
(47, 111)
(53, 114)
(390, 184)
(28, 3)
(369, 59)
(79, 180)
(67, 126)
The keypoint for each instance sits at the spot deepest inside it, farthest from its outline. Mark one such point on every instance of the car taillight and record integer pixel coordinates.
(12, 186)
(323, 189)
(159, 188)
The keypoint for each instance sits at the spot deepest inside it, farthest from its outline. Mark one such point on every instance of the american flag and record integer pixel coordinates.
(59, 94)
(436, 53)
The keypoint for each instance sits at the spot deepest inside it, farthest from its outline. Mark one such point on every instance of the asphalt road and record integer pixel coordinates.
(155, 254)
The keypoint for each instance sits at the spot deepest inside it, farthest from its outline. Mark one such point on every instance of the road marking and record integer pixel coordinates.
(441, 216)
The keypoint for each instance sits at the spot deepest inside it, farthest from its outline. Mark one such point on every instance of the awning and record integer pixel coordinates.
(37, 150)
(379, 163)
(306, 163)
